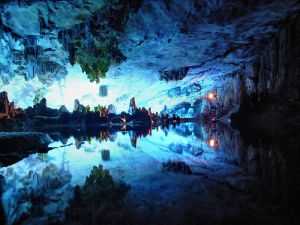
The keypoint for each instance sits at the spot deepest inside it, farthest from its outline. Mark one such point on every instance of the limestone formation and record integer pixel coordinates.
(112, 109)
(79, 108)
(11, 110)
(177, 167)
(63, 109)
(132, 106)
(7, 109)
(2, 183)
(174, 75)
(4, 103)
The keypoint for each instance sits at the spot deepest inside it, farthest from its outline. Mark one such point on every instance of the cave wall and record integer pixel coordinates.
(269, 111)
(277, 71)
(275, 74)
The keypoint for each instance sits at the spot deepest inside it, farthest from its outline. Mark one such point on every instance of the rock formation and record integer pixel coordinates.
(4, 103)
(174, 75)
(7, 109)
(177, 167)
(11, 110)
(37, 32)
(79, 108)
(132, 106)
(277, 71)
(235, 61)
(273, 81)
(112, 109)
(41, 109)
(206, 43)
(23, 141)
(63, 109)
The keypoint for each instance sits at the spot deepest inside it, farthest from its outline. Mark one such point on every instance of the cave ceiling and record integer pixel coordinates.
(132, 39)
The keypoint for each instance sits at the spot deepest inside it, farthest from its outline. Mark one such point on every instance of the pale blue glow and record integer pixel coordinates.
(123, 84)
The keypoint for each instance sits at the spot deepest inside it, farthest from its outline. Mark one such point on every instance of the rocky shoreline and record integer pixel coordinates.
(14, 146)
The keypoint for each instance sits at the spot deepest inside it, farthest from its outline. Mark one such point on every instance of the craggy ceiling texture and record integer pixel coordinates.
(64, 50)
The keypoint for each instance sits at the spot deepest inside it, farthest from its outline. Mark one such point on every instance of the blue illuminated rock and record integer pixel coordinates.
(201, 43)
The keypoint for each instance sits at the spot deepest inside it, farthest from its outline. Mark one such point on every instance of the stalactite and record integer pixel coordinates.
(93, 44)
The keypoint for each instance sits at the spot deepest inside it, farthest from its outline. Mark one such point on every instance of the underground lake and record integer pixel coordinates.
(149, 112)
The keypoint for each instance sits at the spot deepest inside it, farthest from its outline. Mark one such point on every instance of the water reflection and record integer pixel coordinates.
(38, 187)
(110, 134)
(102, 134)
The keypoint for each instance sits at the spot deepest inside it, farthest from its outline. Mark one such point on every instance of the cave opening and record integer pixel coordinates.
(149, 112)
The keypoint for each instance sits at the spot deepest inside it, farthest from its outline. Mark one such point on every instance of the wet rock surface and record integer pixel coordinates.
(14, 146)
(25, 140)
(176, 167)
(271, 86)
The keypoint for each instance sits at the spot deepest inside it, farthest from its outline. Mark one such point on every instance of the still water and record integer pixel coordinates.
(230, 181)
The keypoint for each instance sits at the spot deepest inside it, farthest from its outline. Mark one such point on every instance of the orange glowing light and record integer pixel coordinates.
(213, 143)
(210, 95)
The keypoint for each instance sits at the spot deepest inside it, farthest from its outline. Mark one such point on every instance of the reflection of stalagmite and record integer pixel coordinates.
(78, 142)
(105, 155)
(42, 189)
(112, 136)
(103, 91)
(65, 164)
(103, 136)
(133, 139)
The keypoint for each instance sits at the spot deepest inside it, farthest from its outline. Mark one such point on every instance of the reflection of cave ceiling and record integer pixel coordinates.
(214, 37)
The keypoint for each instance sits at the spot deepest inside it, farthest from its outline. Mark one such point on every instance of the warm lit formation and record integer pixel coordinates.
(212, 95)
(213, 143)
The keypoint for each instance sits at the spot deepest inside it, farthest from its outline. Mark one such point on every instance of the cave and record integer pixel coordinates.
(154, 112)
